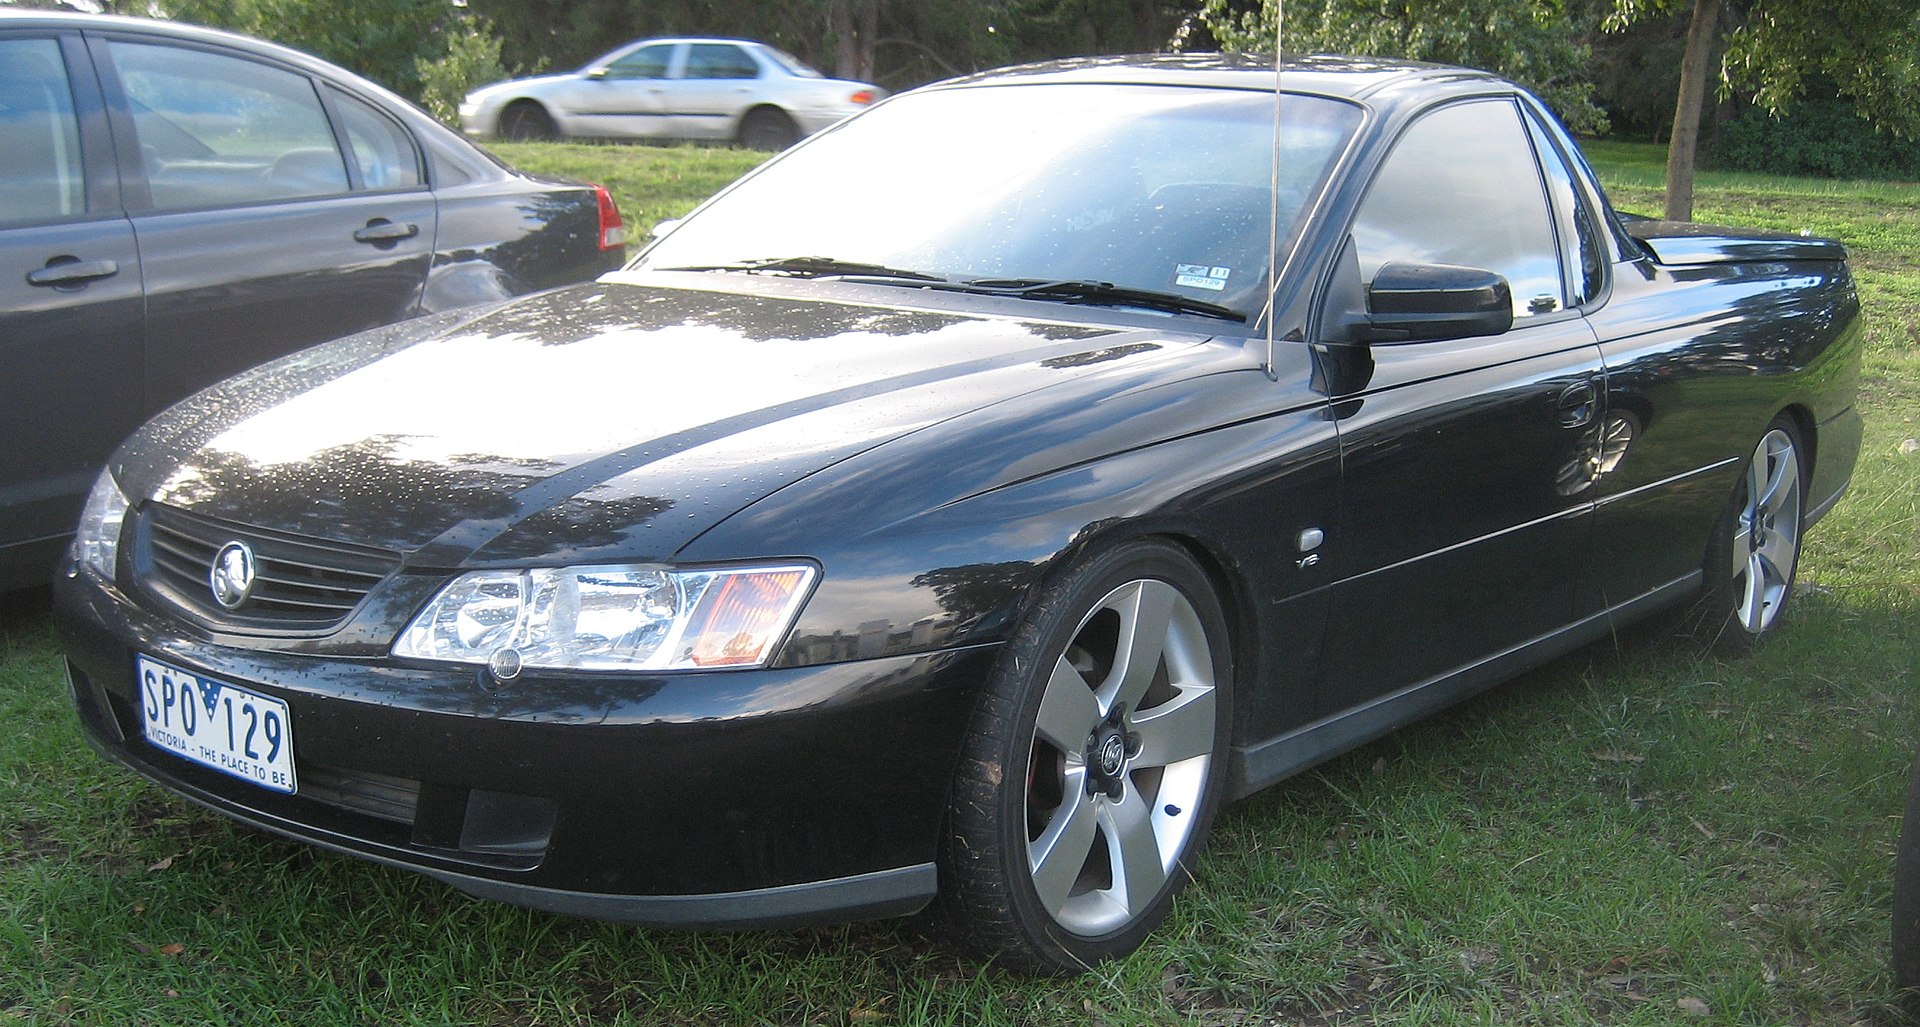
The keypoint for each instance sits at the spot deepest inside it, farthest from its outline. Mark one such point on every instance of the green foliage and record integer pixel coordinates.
(1537, 44)
(472, 60)
(1820, 136)
(1867, 48)
(380, 39)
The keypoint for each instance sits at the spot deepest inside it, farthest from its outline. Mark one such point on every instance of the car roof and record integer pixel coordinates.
(1373, 79)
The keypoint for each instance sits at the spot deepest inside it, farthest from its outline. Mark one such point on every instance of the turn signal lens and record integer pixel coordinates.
(741, 617)
(862, 97)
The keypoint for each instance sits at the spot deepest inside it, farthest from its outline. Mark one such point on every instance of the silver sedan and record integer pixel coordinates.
(708, 89)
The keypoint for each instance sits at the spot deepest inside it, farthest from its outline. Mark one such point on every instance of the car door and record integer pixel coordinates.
(714, 87)
(627, 96)
(70, 299)
(1465, 509)
(262, 228)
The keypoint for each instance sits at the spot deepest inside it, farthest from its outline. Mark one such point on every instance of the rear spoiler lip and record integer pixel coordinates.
(1683, 242)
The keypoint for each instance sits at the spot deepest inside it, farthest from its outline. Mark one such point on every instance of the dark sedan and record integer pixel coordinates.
(967, 537)
(178, 204)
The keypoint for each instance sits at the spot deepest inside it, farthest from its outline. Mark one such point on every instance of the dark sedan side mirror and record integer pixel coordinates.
(1409, 302)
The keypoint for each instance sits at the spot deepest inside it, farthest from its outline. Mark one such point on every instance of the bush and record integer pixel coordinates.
(1820, 135)
(472, 61)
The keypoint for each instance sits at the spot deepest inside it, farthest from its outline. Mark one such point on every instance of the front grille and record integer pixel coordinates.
(362, 791)
(301, 585)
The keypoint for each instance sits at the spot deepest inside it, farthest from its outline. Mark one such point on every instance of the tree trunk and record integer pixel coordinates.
(1683, 145)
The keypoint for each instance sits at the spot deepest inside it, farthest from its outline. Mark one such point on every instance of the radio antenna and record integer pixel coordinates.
(1273, 190)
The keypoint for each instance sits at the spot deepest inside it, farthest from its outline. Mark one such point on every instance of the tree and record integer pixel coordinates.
(1537, 44)
(1866, 47)
(381, 39)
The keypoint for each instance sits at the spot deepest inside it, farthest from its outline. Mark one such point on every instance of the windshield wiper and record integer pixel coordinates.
(815, 267)
(1087, 291)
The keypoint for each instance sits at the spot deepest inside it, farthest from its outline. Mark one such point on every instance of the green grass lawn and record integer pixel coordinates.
(1636, 834)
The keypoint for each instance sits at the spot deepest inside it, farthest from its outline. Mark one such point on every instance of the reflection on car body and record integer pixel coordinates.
(1022, 547)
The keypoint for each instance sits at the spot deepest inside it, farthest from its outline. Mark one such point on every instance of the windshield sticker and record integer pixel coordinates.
(1200, 276)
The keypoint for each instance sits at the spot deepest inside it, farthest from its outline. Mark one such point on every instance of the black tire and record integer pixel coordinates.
(1906, 900)
(1081, 860)
(527, 122)
(1755, 551)
(765, 128)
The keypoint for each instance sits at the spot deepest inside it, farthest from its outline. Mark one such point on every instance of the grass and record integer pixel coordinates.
(1635, 834)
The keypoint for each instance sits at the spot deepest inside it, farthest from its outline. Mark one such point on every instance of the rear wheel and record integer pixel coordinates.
(765, 128)
(1093, 765)
(527, 122)
(1756, 550)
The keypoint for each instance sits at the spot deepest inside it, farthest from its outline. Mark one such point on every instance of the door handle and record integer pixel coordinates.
(70, 271)
(381, 230)
(1578, 403)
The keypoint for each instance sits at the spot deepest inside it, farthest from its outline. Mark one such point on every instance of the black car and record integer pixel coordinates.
(968, 536)
(179, 204)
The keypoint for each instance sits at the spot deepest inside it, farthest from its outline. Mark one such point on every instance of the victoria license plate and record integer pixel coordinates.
(217, 724)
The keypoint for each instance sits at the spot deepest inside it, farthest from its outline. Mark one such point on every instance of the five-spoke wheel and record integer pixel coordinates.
(1094, 763)
(1751, 568)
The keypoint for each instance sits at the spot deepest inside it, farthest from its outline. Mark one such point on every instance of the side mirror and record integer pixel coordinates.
(1409, 302)
(662, 227)
(597, 73)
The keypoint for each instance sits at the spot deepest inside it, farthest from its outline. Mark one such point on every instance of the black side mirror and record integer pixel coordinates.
(1409, 302)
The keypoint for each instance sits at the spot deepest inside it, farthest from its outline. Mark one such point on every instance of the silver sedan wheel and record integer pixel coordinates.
(1122, 744)
(1766, 533)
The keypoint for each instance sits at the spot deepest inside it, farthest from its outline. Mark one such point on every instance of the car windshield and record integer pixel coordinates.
(1151, 188)
(790, 62)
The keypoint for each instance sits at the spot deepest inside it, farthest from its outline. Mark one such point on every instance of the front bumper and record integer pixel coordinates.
(750, 798)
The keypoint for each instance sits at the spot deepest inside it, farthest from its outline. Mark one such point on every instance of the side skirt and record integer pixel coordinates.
(1253, 767)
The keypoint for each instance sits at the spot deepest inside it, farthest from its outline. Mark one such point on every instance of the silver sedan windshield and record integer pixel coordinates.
(1152, 188)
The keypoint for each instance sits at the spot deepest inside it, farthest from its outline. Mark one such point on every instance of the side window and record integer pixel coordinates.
(1580, 247)
(719, 60)
(646, 62)
(1462, 187)
(217, 130)
(40, 170)
(382, 150)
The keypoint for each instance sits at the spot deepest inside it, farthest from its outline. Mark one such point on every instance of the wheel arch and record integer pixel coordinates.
(1230, 589)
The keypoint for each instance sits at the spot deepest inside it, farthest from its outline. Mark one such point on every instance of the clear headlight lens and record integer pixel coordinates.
(610, 618)
(96, 542)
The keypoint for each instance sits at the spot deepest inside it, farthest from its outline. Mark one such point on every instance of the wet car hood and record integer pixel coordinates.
(608, 421)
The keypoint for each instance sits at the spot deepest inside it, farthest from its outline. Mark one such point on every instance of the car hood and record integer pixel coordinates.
(603, 422)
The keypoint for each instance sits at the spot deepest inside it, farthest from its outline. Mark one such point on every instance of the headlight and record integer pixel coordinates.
(96, 542)
(610, 618)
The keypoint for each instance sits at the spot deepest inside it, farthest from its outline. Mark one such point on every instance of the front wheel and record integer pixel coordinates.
(527, 122)
(1092, 766)
(1756, 551)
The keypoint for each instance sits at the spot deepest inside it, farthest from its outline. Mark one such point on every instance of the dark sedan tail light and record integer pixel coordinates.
(613, 231)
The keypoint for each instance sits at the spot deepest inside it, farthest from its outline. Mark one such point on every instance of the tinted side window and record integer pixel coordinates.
(719, 60)
(217, 130)
(1461, 187)
(40, 170)
(646, 62)
(382, 150)
(1580, 246)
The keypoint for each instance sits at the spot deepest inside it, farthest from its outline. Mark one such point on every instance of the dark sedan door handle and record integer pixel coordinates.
(1577, 404)
(381, 230)
(68, 271)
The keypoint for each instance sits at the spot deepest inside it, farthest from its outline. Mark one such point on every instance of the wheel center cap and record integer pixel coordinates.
(1110, 754)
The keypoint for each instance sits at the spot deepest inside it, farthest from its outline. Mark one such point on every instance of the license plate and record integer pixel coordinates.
(218, 725)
